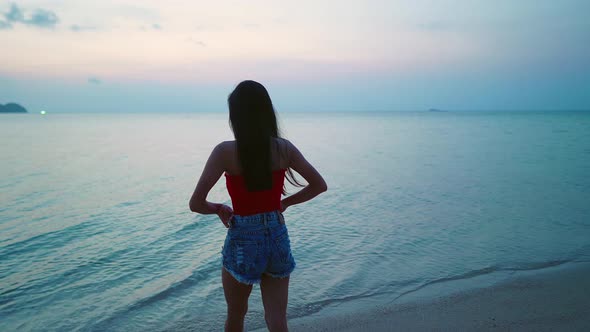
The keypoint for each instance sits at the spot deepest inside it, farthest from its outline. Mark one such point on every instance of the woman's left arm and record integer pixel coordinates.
(214, 167)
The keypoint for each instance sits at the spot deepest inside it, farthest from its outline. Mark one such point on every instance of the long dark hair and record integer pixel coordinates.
(253, 121)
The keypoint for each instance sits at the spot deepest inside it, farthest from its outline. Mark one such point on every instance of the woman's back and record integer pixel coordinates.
(245, 202)
(279, 156)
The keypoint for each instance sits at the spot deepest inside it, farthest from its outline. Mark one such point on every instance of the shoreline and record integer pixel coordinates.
(552, 298)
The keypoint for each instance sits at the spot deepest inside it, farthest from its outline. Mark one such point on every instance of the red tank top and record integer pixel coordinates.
(252, 202)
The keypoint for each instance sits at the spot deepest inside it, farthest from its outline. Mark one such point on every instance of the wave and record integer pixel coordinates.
(12, 182)
(83, 268)
(126, 204)
(186, 229)
(528, 266)
(315, 307)
(85, 229)
(47, 285)
(178, 287)
(53, 239)
(171, 291)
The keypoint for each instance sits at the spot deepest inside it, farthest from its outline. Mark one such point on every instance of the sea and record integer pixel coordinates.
(96, 232)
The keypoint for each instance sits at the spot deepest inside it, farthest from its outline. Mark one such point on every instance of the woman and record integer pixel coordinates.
(257, 247)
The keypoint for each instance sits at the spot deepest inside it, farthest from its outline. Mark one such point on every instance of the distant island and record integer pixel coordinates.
(435, 110)
(12, 108)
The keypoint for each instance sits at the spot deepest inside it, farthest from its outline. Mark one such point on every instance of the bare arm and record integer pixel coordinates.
(316, 184)
(198, 203)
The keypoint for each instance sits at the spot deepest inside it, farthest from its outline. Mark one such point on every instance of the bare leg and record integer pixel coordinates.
(236, 296)
(275, 295)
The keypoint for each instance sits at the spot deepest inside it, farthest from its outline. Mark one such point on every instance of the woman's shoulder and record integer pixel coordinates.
(225, 152)
(224, 149)
(283, 143)
(225, 146)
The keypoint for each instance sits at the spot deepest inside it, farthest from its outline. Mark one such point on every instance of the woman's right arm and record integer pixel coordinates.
(316, 184)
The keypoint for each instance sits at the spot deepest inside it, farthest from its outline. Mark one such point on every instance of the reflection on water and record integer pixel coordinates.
(96, 232)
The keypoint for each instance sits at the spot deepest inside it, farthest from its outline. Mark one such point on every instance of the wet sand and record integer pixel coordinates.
(551, 299)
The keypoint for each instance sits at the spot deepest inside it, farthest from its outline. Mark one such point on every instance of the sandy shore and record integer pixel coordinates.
(552, 299)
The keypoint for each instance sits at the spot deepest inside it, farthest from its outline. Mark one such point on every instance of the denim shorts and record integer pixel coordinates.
(255, 245)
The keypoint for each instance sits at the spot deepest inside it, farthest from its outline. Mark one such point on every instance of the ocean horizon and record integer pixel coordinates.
(96, 233)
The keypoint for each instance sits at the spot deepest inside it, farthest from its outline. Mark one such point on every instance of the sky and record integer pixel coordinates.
(365, 55)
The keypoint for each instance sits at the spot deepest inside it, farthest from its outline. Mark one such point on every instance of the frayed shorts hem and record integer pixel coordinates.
(282, 275)
(247, 281)
(241, 279)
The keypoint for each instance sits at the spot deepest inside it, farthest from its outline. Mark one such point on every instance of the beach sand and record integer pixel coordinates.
(550, 299)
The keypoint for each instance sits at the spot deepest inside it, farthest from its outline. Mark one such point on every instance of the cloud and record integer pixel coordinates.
(40, 18)
(15, 14)
(43, 18)
(94, 80)
(154, 26)
(196, 42)
(79, 28)
(5, 25)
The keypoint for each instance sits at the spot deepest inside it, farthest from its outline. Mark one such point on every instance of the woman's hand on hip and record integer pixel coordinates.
(225, 213)
(284, 206)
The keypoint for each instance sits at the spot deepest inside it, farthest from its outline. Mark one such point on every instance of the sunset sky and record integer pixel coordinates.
(134, 56)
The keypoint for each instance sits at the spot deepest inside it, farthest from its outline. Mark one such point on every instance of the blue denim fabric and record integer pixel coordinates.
(257, 244)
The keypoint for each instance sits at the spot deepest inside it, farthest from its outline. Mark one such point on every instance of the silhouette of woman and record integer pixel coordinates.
(257, 247)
